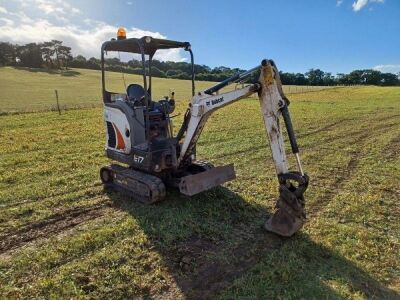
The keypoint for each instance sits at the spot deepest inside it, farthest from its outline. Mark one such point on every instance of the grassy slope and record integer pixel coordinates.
(33, 89)
(62, 235)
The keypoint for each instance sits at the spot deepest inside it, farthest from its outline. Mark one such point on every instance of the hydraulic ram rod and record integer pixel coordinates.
(292, 137)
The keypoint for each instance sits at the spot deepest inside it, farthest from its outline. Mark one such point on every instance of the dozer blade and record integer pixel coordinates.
(197, 183)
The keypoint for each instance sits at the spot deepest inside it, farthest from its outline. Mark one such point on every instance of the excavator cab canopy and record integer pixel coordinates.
(145, 46)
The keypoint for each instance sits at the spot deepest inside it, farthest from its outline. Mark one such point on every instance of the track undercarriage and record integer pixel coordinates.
(148, 188)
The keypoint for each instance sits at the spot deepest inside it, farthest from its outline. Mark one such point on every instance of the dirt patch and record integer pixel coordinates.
(204, 268)
(52, 225)
(190, 251)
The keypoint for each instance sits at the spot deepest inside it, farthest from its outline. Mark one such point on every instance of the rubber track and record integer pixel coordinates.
(153, 183)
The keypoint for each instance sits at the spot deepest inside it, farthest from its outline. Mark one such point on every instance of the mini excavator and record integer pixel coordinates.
(139, 135)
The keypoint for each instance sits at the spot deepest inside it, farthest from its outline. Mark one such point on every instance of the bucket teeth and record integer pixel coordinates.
(290, 214)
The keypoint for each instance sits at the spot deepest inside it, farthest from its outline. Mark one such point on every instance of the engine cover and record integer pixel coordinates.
(118, 130)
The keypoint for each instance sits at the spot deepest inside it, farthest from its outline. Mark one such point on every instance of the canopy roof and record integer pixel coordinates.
(150, 45)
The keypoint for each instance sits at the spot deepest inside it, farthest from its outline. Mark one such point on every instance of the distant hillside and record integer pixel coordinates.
(28, 89)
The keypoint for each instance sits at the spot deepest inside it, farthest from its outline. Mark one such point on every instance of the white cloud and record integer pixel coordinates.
(84, 37)
(360, 4)
(339, 2)
(395, 68)
(75, 10)
(3, 10)
(129, 2)
(7, 22)
(55, 7)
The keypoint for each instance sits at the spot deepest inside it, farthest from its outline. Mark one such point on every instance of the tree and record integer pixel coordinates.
(355, 77)
(56, 45)
(328, 79)
(93, 63)
(288, 78)
(389, 79)
(47, 53)
(171, 73)
(8, 54)
(157, 72)
(78, 62)
(181, 75)
(371, 77)
(300, 79)
(54, 53)
(315, 77)
(64, 55)
(30, 55)
(112, 61)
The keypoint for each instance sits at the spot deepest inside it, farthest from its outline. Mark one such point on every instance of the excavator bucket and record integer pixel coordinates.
(290, 214)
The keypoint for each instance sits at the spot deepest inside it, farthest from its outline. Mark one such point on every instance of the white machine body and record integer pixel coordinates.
(118, 131)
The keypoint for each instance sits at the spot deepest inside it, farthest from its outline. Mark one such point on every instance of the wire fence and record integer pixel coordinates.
(59, 104)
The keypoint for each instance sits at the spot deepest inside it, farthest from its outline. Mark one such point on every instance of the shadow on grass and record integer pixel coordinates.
(213, 244)
(67, 73)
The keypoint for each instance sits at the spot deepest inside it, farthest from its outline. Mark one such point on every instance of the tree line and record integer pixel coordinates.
(52, 55)
(55, 55)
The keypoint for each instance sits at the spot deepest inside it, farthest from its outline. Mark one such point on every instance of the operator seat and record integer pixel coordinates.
(136, 93)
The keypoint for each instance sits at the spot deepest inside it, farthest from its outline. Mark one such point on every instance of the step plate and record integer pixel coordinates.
(193, 184)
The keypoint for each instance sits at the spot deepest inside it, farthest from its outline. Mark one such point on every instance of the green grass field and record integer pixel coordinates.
(29, 90)
(62, 236)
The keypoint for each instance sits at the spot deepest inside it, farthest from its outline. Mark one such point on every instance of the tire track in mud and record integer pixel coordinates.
(52, 225)
(252, 149)
(266, 146)
(300, 135)
(23, 214)
(53, 195)
(345, 174)
(326, 127)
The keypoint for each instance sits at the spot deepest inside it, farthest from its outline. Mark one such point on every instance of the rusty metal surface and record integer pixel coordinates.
(194, 184)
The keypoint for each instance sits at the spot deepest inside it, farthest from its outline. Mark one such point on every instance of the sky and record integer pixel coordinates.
(336, 36)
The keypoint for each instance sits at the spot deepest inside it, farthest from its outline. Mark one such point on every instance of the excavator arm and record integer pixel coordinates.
(290, 214)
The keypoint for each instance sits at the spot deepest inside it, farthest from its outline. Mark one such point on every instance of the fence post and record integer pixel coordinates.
(58, 104)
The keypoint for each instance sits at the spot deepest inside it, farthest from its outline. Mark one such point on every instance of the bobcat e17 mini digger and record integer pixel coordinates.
(139, 135)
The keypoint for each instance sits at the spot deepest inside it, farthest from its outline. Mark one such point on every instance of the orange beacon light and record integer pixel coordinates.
(121, 33)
